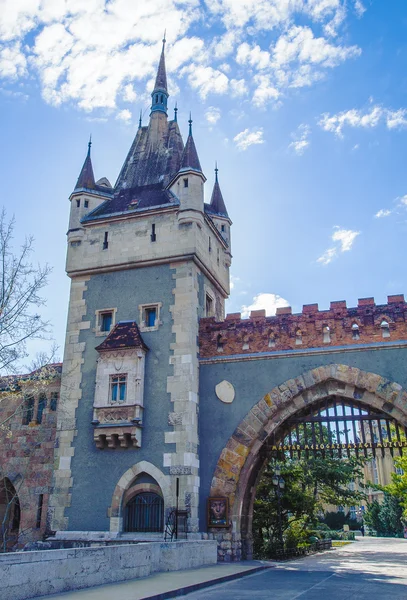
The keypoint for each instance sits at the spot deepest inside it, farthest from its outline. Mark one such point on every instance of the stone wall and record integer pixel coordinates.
(338, 326)
(27, 455)
(30, 574)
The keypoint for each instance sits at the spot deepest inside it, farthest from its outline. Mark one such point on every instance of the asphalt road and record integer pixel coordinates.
(368, 569)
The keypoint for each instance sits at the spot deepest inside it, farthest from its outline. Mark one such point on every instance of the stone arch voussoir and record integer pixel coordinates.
(238, 458)
(115, 510)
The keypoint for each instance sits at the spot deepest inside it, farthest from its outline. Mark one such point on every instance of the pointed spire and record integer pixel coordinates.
(86, 178)
(217, 203)
(190, 158)
(160, 93)
(175, 112)
(161, 79)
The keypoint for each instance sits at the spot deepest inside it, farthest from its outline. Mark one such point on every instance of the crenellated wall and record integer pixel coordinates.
(313, 328)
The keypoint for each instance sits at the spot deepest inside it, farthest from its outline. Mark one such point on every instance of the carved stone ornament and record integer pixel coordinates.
(225, 391)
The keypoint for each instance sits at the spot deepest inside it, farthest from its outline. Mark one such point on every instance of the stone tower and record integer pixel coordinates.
(147, 259)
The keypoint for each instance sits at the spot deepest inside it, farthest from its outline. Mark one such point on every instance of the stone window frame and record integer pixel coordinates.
(98, 314)
(142, 316)
(209, 292)
(118, 402)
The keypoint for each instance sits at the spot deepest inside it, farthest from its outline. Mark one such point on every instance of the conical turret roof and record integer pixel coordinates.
(86, 178)
(217, 204)
(161, 79)
(190, 158)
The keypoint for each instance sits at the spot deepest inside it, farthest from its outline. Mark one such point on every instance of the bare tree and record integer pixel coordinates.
(20, 285)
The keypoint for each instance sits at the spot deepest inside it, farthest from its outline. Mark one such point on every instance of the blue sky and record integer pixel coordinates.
(303, 103)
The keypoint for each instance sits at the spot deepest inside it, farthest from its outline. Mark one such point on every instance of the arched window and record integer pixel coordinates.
(162, 99)
(326, 332)
(10, 512)
(245, 345)
(272, 339)
(219, 343)
(42, 403)
(355, 331)
(156, 98)
(385, 327)
(298, 337)
(144, 512)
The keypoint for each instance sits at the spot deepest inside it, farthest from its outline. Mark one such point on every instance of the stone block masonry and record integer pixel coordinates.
(339, 326)
(30, 574)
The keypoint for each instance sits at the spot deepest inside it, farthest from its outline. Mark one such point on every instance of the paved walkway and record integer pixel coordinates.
(368, 569)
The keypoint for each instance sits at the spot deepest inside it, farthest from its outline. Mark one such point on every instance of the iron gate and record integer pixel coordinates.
(339, 426)
(144, 512)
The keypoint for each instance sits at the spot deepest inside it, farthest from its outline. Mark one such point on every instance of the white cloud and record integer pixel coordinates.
(383, 212)
(100, 53)
(207, 80)
(344, 239)
(359, 8)
(403, 200)
(249, 137)
(212, 114)
(327, 256)
(125, 116)
(370, 118)
(300, 139)
(267, 301)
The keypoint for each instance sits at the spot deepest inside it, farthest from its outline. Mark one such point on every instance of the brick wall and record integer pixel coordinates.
(313, 328)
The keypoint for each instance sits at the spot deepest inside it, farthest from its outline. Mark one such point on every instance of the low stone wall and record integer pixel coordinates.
(29, 574)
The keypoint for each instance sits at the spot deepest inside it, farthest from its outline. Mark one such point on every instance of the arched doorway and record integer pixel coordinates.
(144, 513)
(10, 515)
(241, 461)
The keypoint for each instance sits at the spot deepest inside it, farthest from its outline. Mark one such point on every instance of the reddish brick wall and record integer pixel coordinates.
(284, 331)
(26, 459)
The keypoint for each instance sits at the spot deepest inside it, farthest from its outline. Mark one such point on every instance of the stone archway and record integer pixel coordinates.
(115, 510)
(240, 462)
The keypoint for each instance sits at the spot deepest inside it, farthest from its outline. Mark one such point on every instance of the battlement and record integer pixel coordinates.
(313, 328)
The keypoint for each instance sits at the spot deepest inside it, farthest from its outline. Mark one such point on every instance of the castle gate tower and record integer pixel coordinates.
(147, 259)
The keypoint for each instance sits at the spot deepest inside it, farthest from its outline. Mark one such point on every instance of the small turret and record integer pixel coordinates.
(188, 184)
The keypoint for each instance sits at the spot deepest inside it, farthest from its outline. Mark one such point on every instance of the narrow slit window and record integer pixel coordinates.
(219, 343)
(298, 337)
(39, 510)
(78, 203)
(153, 234)
(209, 306)
(54, 401)
(28, 414)
(105, 241)
(185, 182)
(86, 203)
(355, 331)
(385, 327)
(210, 245)
(118, 385)
(42, 403)
(223, 228)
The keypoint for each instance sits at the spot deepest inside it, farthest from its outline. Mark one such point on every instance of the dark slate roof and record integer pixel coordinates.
(217, 204)
(86, 178)
(155, 155)
(125, 334)
(133, 199)
(161, 79)
(190, 158)
(45, 374)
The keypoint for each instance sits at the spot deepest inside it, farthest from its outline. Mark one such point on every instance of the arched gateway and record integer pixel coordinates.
(240, 462)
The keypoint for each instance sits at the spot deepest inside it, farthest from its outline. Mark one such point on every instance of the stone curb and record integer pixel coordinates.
(204, 584)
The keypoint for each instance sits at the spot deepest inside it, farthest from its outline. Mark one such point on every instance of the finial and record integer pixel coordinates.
(141, 116)
(89, 144)
(164, 40)
(190, 124)
(216, 171)
(175, 112)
